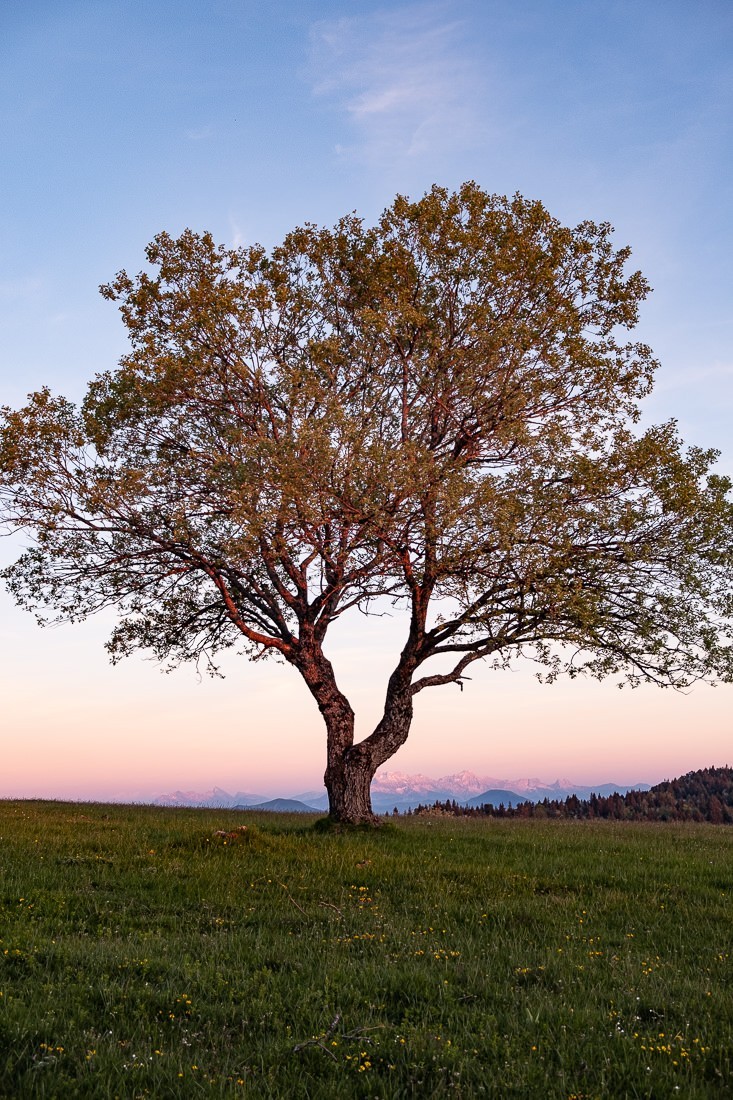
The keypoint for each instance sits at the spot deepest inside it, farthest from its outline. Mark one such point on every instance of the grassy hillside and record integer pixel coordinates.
(167, 953)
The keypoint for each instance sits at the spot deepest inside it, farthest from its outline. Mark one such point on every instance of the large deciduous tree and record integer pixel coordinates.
(437, 411)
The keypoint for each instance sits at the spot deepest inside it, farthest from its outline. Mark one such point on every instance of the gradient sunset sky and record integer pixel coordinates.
(248, 118)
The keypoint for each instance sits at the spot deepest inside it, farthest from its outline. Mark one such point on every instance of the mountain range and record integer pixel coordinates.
(399, 790)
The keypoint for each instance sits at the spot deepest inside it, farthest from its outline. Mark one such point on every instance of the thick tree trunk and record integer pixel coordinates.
(348, 781)
(350, 768)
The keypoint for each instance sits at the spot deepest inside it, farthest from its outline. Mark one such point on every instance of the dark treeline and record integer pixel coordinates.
(705, 795)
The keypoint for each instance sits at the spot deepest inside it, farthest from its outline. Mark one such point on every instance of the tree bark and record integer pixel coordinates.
(348, 781)
(350, 768)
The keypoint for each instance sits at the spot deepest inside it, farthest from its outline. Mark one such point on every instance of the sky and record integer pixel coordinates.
(118, 121)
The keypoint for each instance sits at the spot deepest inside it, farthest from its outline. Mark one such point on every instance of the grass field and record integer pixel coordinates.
(145, 954)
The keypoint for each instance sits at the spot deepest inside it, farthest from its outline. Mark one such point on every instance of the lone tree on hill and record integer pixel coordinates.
(437, 412)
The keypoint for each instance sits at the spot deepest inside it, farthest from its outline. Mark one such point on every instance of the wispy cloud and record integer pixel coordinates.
(404, 78)
(201, 133)
(237, 236)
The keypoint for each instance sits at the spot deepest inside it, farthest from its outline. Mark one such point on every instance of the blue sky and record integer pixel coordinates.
(120, 120)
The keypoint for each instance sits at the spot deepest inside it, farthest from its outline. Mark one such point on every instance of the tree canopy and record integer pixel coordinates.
(440, 410)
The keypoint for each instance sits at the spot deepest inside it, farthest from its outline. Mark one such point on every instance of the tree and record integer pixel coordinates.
(437, 411)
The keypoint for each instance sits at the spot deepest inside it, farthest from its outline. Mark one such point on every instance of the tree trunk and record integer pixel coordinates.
(348, 781)
(350, 768)
(347, 778)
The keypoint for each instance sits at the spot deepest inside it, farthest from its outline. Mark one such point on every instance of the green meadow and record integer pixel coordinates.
(173, 953)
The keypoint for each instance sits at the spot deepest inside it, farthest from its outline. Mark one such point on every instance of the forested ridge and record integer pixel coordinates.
(703, 795)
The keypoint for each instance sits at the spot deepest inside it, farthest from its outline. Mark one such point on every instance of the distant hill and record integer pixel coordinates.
(497, 797)
(704, 795)
(403, 791)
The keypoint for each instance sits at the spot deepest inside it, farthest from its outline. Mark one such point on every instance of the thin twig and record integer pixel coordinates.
(359, 1032)
(330, 905)
(314, 1043)
(321, 1042)
(291, 898)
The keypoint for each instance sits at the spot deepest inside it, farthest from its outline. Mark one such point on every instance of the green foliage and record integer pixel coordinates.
(171, 953)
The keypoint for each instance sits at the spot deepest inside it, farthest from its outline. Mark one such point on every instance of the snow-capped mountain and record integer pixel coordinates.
(460, 784)
(466, 784)
(404, 791)
(216, 798)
